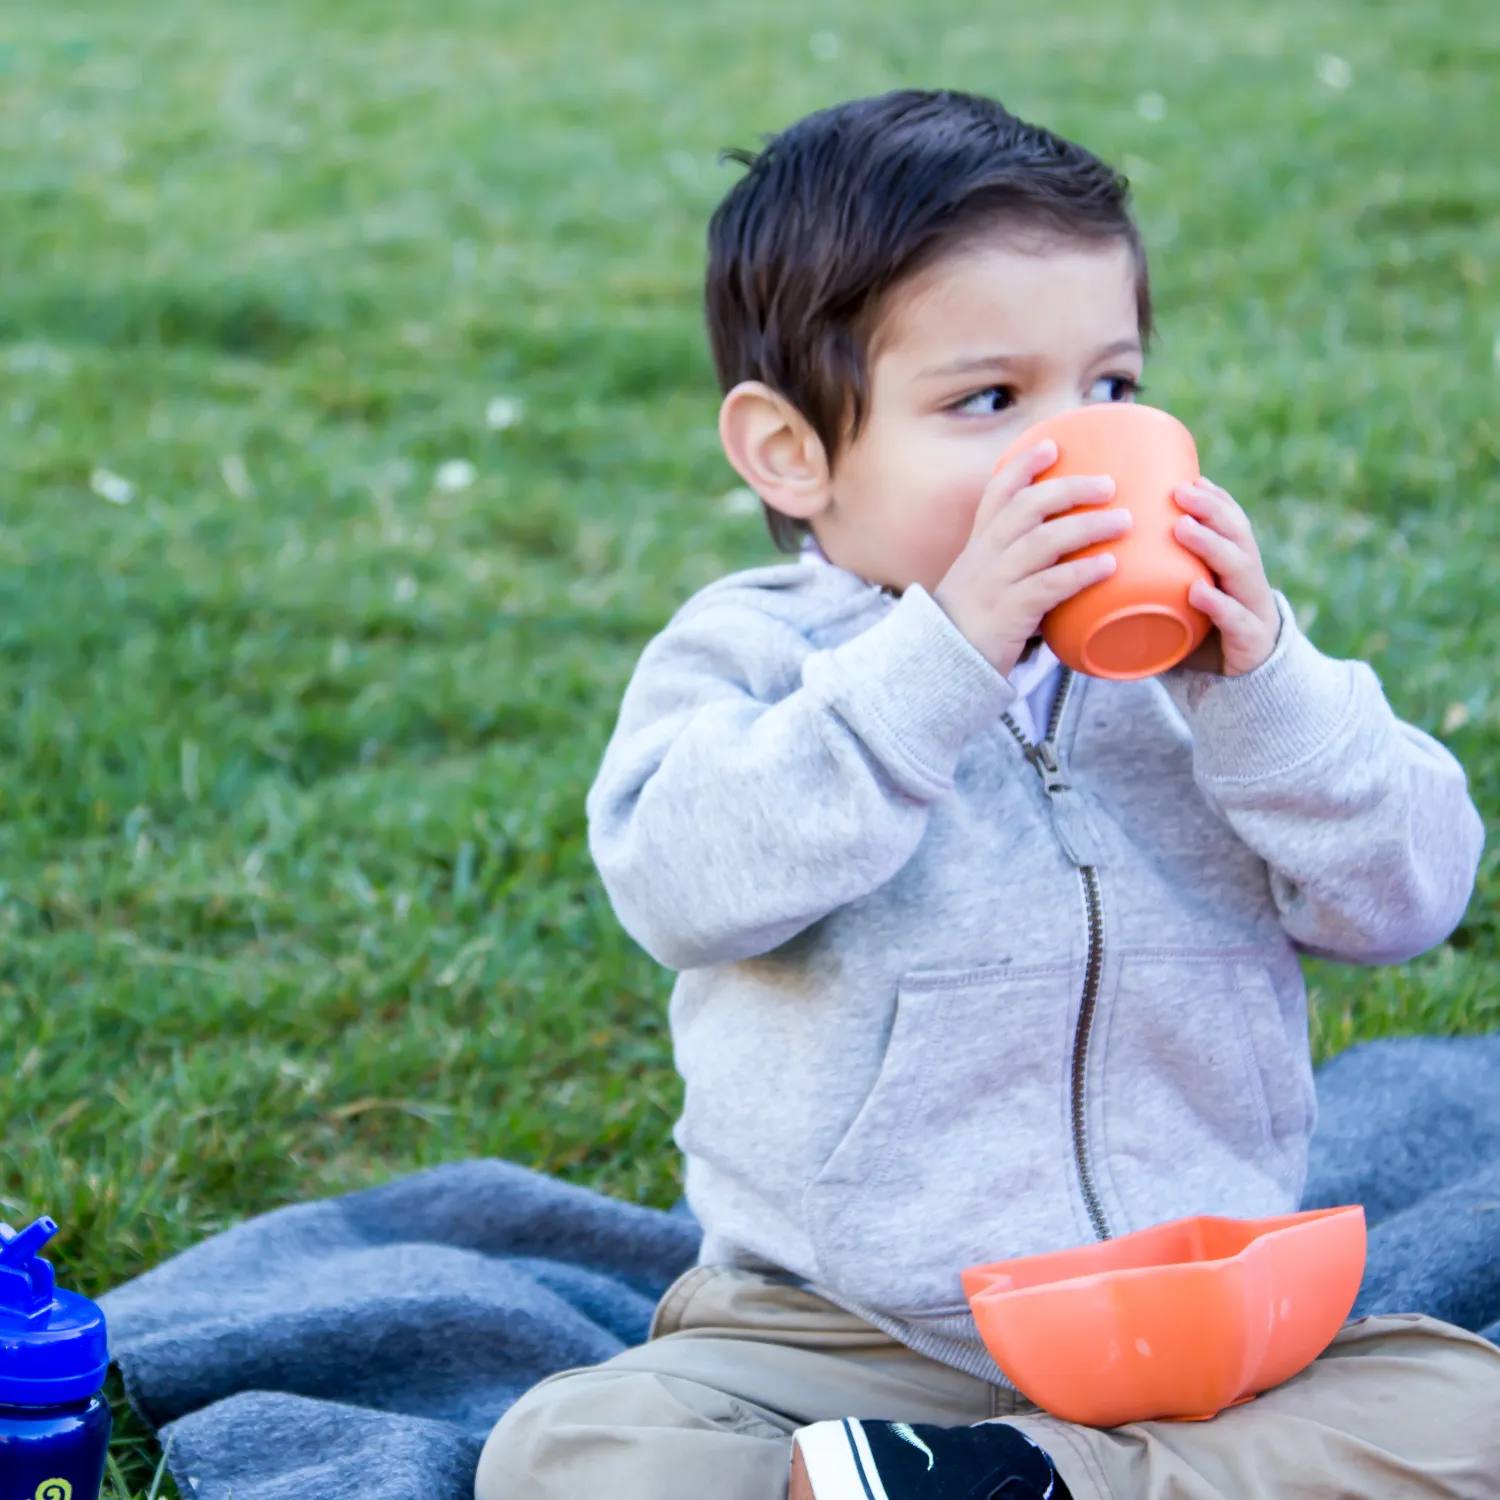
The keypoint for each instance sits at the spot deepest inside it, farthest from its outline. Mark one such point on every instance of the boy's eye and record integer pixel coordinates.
(1114, 388)
(987, 402)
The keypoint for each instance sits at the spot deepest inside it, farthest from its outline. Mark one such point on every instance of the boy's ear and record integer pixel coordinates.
(774, 450)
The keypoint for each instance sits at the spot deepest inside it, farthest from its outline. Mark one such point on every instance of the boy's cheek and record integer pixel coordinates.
(912, 500)
(941, 533)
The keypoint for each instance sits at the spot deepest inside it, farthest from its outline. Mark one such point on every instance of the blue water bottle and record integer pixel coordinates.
(54, 1424)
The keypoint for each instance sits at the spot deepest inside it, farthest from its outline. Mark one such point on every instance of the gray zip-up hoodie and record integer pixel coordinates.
(946, 997)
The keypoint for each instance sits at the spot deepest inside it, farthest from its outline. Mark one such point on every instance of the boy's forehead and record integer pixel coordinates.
(996, 298)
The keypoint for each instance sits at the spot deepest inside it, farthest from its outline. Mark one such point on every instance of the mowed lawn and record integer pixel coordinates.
(357, 430)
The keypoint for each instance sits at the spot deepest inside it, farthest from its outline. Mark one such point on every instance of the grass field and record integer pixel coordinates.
(356, 430)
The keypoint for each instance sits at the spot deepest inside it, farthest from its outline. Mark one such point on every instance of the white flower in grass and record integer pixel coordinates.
(111, 487)
(1151, 106)
(236, 476)
(406, 589)
(741, 502)
(1334, 71)
(1454, 719)
(502, 412)
(454, 475)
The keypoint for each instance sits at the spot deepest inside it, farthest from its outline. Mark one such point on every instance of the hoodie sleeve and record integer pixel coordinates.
(754, 784)
(1365, 822)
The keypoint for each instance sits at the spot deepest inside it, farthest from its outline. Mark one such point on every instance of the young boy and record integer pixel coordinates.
(979, 959)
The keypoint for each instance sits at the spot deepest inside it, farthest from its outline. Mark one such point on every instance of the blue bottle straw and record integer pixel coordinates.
(54, 1354)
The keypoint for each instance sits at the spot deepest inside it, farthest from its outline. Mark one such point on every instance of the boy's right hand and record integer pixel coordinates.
(1009, 574)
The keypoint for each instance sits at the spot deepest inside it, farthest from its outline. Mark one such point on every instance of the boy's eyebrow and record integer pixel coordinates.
(994, 361)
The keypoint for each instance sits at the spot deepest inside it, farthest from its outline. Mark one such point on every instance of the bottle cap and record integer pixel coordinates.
(53, 1345)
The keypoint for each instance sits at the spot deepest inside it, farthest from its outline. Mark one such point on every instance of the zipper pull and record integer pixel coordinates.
(1070, 822)
(1044, 758)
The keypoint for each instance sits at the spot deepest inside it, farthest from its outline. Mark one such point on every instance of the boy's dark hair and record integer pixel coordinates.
(844, 205)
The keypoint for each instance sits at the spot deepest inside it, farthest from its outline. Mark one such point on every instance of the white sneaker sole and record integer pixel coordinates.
(839, 1465)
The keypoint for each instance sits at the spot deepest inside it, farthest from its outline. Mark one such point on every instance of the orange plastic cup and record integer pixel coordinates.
(1177, 1321)
(1137, 622)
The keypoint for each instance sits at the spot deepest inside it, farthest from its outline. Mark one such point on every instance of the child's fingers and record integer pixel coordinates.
(1217, 508)
(1237, 570)
(1052, 497)
(1037, 503)
(1218, 489)
(1050, 542)
(1055, 584)
(1200, 498)
(1234, 620)
(1009, 479)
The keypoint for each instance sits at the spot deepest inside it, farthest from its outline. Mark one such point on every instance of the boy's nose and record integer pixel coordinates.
(1045, 410)
(1039, 412)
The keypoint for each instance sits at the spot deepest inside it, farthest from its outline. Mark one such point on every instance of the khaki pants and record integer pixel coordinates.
(1397, 1406)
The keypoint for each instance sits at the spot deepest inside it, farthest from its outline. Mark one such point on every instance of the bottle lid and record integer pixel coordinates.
(53, 1345)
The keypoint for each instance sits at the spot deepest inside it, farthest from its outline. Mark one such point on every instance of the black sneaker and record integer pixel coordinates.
(862, 1460)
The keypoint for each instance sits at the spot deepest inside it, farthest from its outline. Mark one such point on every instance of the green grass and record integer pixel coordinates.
(294, 890)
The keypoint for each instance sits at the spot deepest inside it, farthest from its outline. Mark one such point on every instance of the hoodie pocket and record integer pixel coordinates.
(1205, 1104)
(959, 1153)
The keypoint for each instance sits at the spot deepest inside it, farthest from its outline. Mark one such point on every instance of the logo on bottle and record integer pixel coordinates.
(54, 1489)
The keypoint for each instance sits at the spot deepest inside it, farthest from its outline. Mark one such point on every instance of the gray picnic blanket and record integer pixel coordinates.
(360, 1348)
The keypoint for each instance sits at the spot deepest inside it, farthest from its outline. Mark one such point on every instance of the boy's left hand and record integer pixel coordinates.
(1242, 607)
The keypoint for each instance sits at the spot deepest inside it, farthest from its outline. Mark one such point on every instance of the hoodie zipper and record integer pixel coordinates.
(1044, 758)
